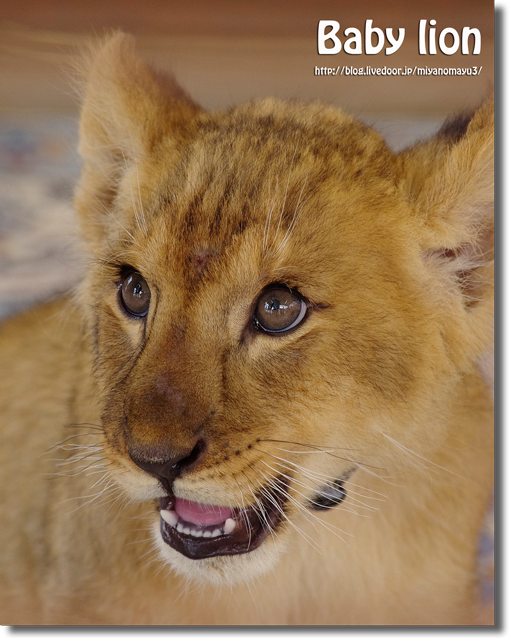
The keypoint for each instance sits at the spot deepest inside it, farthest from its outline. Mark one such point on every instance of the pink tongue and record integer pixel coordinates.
(200, 513)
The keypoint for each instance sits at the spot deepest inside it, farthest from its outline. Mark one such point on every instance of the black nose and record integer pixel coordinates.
(166, 466)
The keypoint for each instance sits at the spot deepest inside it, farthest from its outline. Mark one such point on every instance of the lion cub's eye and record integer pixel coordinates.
(135, 294)
(279, 309)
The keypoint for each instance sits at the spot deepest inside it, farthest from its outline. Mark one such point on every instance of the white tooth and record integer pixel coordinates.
(216, 532)
(199, 532)
(180, 527)
(186, 530)
(193, 532)
(207, 534)
(170, 517)
(229, 526)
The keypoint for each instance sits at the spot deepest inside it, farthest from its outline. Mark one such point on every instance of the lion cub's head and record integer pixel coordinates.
(275, 300)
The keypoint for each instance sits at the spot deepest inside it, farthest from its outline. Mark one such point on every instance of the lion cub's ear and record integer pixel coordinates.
(449, 181)
(128, 109)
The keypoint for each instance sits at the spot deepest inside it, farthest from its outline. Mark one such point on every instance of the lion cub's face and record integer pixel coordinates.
(265, 311)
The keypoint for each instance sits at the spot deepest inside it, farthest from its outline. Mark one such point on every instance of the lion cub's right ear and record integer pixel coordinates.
(128, 109)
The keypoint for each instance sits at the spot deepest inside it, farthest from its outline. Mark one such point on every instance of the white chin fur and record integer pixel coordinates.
(221, 570)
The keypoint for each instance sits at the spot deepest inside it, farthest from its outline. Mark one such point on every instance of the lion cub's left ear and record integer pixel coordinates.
(449, 181)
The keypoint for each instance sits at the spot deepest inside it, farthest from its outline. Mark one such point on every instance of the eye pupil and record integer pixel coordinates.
(272, 305)
(278, 310)
(135, 294)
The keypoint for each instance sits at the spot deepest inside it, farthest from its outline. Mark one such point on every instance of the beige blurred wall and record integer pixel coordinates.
(224, 52)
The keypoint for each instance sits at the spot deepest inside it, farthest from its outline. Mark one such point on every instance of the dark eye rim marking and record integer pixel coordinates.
(125, 272)
(296, 323)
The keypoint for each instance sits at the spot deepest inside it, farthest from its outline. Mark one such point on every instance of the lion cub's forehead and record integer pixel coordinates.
(271, 168)
(270, 186)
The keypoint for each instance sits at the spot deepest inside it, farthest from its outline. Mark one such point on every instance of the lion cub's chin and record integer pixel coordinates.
(222, 570)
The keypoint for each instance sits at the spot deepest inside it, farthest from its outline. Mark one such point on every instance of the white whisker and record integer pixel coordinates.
(268, 218)
(313, 473)
(411, 454)
(282, 210)
(277, 506)
(142, 214)
(293, 222)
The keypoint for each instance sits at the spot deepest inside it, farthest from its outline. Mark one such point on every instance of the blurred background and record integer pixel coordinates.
(225, 51)
(222, 52)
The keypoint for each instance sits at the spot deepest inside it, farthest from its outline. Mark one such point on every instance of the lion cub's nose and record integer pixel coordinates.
(164, 464)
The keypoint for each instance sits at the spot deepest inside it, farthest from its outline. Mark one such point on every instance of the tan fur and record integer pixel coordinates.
(393, 253)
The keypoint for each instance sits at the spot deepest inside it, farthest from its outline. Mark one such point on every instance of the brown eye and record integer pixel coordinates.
(135, 294)
(279, 309)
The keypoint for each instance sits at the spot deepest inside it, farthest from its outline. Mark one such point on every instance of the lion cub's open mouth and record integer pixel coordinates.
(199, 531)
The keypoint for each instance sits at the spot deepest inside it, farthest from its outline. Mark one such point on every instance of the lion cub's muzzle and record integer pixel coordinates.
(167, 470)
(199, 530)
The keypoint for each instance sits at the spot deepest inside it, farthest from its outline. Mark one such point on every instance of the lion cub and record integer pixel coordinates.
(266, 384)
